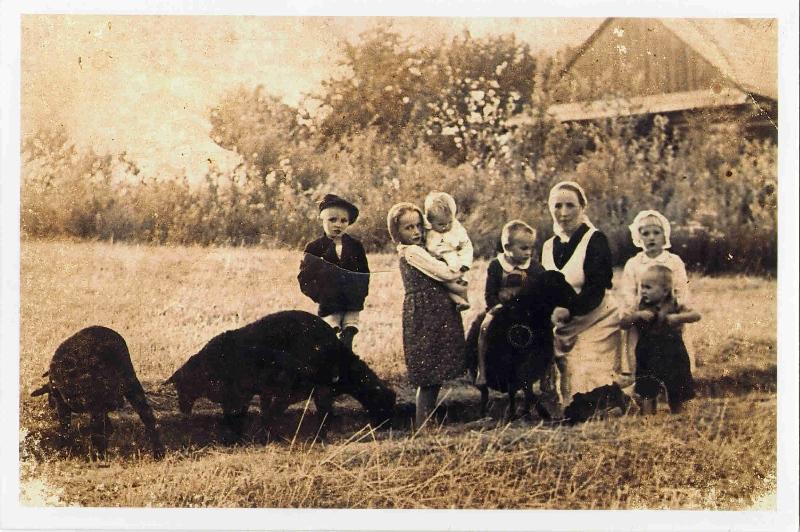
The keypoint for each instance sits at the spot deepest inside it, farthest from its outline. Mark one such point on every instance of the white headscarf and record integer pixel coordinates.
(436, 197)
(638, 223)
(557, 230)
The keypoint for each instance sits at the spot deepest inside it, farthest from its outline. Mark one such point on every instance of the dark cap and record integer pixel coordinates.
(332, 200)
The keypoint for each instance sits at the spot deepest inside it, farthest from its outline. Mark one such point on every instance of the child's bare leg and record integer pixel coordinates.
(334, 320)
(562, 362)
(480, 378)
(458, 293)
(426, 404)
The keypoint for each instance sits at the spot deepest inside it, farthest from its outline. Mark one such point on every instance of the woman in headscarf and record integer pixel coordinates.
(588, 341)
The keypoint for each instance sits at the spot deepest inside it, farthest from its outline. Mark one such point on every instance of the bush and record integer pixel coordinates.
(388, 132)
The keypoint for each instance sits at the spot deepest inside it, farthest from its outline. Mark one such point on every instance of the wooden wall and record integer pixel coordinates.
(636, 57)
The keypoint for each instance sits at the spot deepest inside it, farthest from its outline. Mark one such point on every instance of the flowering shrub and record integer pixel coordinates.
(406, 121)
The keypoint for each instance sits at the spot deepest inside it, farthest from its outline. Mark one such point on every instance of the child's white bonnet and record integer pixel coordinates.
(649, 217)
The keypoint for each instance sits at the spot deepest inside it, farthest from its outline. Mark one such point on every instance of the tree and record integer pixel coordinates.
(486, 82)
(386, 86)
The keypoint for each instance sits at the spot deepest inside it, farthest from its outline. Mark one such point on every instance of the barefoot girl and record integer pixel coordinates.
(433, 335)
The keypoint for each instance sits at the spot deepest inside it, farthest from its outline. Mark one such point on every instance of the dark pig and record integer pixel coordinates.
(91, 372)
(519, 341)
(284, 358)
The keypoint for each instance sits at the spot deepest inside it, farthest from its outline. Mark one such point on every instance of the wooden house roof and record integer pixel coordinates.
(653, 104)
(646, 58)
(744, 50)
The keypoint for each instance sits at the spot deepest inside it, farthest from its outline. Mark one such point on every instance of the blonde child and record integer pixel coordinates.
(650, 231)
(661, 356)
(447, 240)
(334, 271)
(433, 334)
(505, 276)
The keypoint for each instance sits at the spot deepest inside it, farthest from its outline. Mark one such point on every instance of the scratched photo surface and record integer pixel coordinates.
(172, 173)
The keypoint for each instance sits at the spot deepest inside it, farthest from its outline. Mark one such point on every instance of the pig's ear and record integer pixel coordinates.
(41, 391)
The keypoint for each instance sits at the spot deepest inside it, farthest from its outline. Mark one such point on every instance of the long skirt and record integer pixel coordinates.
(589, 352)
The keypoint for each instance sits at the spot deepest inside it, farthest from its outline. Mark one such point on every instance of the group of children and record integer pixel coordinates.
(653, 301)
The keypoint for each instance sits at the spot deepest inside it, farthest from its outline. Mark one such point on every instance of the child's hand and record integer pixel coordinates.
(645, 315)
(560, 316)
(673, 320)
(506, 294)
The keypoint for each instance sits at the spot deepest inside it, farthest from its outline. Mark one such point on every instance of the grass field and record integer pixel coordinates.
(167, 301)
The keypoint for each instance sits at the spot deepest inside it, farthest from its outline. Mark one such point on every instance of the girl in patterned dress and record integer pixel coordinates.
(433, 334)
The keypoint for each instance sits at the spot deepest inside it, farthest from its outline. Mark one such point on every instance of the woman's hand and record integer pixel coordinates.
(559, 316)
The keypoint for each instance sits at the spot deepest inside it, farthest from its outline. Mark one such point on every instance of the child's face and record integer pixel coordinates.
(409, 228)
(567, 209)
(655, 288)
(334, 221)
(519, 247)
(653, 239)
(440, 222)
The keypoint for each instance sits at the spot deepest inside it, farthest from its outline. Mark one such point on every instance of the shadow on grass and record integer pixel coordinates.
(204, 427)
(742, 382)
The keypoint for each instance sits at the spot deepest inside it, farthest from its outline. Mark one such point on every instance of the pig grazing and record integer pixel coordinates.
(284, 358)
(91, 372)
(520, 341)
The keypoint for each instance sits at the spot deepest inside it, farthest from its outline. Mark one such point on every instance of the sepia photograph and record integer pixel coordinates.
(459, 262)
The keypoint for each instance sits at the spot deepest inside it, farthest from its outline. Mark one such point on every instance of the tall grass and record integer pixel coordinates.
(167, 301)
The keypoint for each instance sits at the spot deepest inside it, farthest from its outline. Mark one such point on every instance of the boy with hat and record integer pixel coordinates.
(334, 271)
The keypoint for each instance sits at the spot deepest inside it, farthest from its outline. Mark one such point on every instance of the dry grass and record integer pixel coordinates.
(166, 302)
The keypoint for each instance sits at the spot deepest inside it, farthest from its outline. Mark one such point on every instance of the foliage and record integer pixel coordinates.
(386, 87)
(468, 116)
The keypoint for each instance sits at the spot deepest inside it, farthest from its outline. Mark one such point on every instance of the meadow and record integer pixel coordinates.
(168, 301)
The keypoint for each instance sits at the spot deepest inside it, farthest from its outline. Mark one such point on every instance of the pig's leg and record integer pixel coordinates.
(137, 399)
(484, 399)
(234, 415)
(64, 415)
(323, 399)
(101, 429)
(511, 413)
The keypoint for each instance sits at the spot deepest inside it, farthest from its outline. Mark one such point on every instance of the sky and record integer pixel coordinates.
(145, 84)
